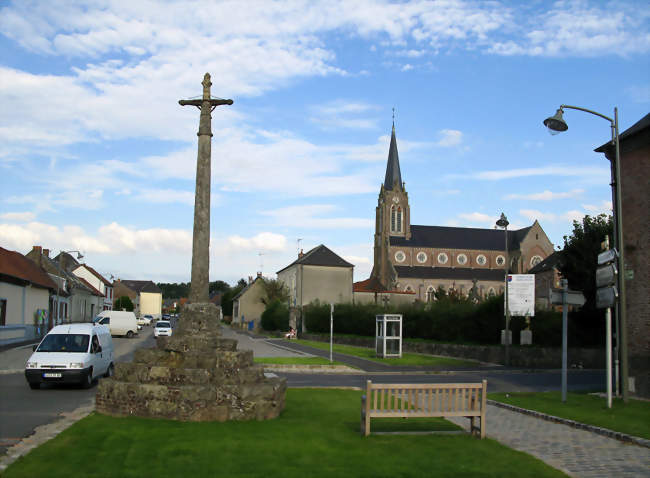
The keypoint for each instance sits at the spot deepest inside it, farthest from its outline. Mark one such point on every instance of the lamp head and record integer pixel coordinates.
(503, 221)
(79, 256)
(556, 124)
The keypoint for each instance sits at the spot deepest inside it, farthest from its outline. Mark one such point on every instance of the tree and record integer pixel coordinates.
(227, 297)
(274, 290)
(578, 265)
(580, 254)
(218, 286)
(123, 302)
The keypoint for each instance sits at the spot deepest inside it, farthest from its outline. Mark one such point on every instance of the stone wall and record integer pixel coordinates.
(531, 357)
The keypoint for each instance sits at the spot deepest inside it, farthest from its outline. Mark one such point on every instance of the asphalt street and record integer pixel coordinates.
(23, 409)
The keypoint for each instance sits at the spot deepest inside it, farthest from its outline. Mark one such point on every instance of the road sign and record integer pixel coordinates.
(607, 256)
(574, 297)
(606, 275)
(606, 297)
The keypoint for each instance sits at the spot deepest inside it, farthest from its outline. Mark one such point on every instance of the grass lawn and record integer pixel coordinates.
(632, 418)
(296, 361)
(407, 359)
(316, 436)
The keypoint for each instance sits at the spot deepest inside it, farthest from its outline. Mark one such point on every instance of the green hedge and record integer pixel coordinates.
(276, 316)
(456, 321)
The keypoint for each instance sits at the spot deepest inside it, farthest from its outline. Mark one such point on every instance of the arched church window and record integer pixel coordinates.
(501, 261)
(393, 218)
(421, 257)
(535, 260)
(400, 256)
(481, 260)
(399, 219)
(430, 294)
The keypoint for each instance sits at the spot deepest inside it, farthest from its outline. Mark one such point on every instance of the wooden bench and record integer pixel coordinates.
(425, 400)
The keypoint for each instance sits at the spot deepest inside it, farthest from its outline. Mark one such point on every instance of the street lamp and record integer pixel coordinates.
(58, 298)
(555, 125)
(503, 222)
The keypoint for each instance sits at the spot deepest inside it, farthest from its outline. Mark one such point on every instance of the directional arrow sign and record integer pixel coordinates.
(606, 275)
(606, 297)
(574, 297)
(607, 256)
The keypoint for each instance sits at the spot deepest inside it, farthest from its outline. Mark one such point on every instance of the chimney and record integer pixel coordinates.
(37, 249)
(259, 274)
(300, 254)
(46, 252)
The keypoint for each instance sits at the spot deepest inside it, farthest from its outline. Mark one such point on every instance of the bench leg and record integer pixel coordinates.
(483, 426)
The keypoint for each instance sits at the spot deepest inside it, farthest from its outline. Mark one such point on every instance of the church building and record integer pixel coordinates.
(417, 260)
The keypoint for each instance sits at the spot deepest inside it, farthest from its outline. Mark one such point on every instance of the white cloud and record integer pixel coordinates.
(163, 196)
(341, 114)
(304, 217)
(264, 241)
(407, 67)
(605, 207)
(546, 195)
(569, 171)
(18, 216)
(449, 138)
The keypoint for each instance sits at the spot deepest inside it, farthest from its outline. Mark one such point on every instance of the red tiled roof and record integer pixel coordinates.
(373, 285)
(14, 264)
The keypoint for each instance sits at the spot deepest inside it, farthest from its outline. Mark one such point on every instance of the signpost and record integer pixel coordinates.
(331, 330)
(606, 296)
(565, 297)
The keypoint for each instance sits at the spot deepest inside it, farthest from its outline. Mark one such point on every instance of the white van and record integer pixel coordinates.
(120, 322)
(71, 353)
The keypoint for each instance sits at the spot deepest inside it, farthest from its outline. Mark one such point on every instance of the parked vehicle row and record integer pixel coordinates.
(120, 322)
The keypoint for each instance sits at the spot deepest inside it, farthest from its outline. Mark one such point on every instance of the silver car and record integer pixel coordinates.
(162, 328)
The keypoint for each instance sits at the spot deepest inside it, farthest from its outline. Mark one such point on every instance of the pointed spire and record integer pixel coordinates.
(393, 174)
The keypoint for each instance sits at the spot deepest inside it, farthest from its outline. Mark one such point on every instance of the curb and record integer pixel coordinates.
(291, 368)
(624, 437)
(44, 433)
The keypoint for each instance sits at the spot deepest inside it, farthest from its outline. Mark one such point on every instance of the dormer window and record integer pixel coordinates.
(396, 219)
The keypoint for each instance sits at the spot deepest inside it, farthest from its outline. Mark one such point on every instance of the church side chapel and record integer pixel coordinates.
(418, 260)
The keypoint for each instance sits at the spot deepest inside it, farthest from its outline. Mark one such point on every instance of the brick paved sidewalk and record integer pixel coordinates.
(578, 453)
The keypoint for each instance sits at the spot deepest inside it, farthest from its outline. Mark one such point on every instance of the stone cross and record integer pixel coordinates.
(201, 233)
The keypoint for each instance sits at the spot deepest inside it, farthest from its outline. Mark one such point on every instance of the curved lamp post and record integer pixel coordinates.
(503, 222)
(555, 125)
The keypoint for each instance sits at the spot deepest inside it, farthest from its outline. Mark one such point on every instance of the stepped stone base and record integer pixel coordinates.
(194, 375)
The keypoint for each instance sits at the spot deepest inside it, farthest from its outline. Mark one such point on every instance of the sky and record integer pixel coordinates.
(96, 154)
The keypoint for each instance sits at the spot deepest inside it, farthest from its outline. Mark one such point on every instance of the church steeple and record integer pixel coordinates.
(393, 175)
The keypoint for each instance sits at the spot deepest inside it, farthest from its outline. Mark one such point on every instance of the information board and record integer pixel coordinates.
(521, 294)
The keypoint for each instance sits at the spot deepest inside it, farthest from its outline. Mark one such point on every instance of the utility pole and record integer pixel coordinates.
(201, 234)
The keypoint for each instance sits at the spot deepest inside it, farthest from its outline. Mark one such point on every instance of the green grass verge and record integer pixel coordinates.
(632, 418)
(317, 435)
(409, 359)
(296, 361)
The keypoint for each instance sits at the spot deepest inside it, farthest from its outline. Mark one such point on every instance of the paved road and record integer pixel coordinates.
(23, 409)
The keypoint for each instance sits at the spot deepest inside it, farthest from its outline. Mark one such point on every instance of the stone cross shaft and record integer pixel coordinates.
(201, 233)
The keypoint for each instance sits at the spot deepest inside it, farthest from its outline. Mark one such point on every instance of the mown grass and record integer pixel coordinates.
(316, 436)
(632, 418)
(295, 361)
(407, 359)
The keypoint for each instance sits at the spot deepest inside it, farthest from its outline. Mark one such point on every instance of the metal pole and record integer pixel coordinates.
(331, 329)
(608, 354)
(565, 310)
(622, 333)
(507, 305)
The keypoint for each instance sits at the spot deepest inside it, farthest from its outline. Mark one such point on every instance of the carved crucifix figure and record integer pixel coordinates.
(201, 234)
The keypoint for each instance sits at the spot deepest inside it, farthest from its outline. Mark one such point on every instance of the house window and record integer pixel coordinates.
(400, 256)
(396, 219)
(3, 311)
(461, 259)
(481, 260)
(421, 257)
(442, 258)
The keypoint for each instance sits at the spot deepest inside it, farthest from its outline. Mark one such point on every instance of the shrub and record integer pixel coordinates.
(276, 316)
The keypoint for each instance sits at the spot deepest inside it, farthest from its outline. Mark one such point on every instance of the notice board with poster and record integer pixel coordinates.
(521, 294)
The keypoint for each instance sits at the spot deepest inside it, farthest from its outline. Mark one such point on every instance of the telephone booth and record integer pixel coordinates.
(389, 335)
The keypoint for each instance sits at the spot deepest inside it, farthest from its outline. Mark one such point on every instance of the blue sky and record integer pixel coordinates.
(96, 154)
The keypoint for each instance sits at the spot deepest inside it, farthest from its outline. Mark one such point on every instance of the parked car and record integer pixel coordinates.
(145, 320)
(119, 322)
(71, 353)
(162, 328)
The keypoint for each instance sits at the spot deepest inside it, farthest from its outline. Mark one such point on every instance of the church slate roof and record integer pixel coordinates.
(460, 238)
(393, 173)
(320, 256)
(449, 273)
